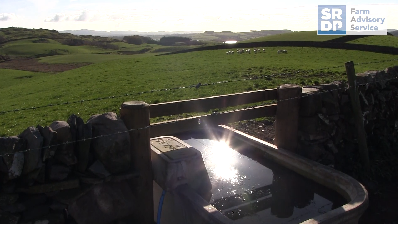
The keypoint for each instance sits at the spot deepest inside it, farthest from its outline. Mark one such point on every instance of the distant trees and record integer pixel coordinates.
(166, 40)
(73, 42)
(79, 42)
(41, 40)
(138, 40)
(172, 40)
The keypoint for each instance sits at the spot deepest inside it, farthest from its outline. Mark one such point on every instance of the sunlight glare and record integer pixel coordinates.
(222, 162)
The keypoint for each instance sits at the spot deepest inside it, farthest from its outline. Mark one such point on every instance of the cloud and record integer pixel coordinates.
(56, 18)
(83, 17)
(7, 16)
(4, 18)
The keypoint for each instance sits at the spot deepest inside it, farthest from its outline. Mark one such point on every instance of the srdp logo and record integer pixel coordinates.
(331, 20)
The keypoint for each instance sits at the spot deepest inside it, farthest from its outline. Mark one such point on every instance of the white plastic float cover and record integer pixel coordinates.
(174, 162)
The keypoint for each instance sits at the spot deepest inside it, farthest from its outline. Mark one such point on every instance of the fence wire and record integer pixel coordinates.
(174, 88)
(199, 118)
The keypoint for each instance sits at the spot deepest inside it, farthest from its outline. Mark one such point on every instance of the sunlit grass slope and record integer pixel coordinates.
(295, 36)
(301, 66)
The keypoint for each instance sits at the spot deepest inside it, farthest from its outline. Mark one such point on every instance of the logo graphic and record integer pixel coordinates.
(352, 19)
(331, 20)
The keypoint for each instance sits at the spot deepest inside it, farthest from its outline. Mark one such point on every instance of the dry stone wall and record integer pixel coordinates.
(64, 173)
(327, 131)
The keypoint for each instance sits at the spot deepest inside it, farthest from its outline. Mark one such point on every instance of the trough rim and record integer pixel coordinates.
(344, 184)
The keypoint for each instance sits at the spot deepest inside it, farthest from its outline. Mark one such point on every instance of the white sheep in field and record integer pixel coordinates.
(282, 51)
(263, 50)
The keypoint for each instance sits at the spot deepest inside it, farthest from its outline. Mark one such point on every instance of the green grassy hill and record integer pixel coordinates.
(302, 66)
(88, 58)
(380, 40)
(47, 46)
(19, 33)
(294, 36)
(114, 74)
(28, 47)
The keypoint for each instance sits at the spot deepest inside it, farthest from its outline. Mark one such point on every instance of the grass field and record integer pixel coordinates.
(74, 54)
(90, 58)
(391, 41)
(294, 36)
(130, 75)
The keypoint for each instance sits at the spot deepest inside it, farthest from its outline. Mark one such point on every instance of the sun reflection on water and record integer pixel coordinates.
(222, 162)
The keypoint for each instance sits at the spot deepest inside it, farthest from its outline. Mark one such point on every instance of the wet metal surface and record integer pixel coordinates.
(248, 188)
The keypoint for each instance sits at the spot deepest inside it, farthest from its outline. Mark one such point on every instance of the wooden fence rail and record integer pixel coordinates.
(205, 104)
(287, 106)
(182, 125)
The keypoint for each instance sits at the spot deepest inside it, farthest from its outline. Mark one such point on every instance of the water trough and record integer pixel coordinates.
(221, 175)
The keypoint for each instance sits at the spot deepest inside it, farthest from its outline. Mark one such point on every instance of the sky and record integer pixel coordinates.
(173, 15)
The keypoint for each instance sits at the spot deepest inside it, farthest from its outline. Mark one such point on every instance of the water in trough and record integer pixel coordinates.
(249, 188)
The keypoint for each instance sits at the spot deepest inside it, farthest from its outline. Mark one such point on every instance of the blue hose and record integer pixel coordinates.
(160, 206)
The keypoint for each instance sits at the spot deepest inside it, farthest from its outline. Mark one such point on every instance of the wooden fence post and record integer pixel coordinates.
(136, 114)
(287, 115)
(357, 113)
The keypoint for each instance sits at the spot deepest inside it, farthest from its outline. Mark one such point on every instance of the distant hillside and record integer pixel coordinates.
(295, 36)
(233, 36)
(19, 33)
(207, 36)
(379, 40)
(16, 41)
(123, 33)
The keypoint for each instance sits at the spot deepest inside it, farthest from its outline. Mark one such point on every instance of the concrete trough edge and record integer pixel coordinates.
(342, 183)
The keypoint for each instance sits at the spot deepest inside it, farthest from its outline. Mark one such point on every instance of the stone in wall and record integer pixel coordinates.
(98, 169)
(83, 147)
(57, 171)
(65, 152)
(8, 218)
(32, 157)
(74, 121)
(311, 103)
(11, 157)
(104, 203)
(112, 150)
(82, 133)
(49, 142)
(316, 152)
